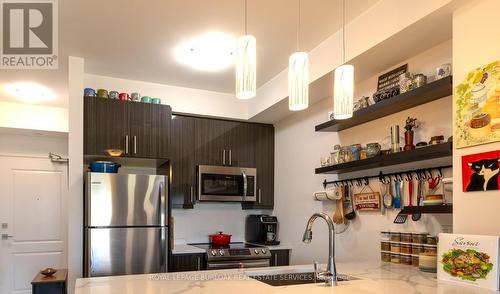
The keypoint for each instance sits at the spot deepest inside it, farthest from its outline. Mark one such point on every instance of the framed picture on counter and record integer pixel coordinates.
(481, 172)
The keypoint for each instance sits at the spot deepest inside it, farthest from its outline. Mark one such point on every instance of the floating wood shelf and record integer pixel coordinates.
(444, 208)
(424, 153)
(427, 93)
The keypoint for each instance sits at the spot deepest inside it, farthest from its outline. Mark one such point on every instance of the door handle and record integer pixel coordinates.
(191, 194)
(259, 195)
(126, 144)
(199, 263)
(230, 158)
(6, 236)
(224, 157)
(135, 144)
(245, 185)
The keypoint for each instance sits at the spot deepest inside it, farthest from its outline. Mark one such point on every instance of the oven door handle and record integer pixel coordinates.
(238, 264)
(245, 185)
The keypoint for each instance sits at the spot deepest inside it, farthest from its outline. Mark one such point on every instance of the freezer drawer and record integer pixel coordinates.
(125, 251)
(119, 200)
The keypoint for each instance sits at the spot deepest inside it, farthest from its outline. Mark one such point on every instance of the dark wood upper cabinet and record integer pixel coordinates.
(183, 161)
(139, 129)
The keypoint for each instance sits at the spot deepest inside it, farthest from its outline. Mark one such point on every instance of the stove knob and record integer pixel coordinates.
(221, 252)
(256, 251)
(263, 251)
(213, 252)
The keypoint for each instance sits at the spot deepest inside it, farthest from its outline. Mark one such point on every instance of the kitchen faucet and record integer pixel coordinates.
(330, 276)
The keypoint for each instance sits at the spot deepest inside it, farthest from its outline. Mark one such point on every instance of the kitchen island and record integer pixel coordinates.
(368, 278)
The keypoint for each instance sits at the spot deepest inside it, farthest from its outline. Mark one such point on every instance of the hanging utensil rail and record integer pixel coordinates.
(418, 174)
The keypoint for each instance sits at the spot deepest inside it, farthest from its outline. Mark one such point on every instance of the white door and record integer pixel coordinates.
(32, 220)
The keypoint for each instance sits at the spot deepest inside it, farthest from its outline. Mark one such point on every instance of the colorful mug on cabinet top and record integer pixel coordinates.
(146, 99)
(156, 100)
(102, 93)
(124, 96)
(135, 97)
(114, 95)
(89, 92)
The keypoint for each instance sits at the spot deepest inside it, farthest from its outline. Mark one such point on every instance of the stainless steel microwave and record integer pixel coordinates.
(226, 183)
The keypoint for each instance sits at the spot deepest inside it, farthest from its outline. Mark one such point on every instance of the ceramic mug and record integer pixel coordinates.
(146, 99)
(156, 100)
(102, 93)
(89, 92)
(124, 96)
(113, 95)
(270, 236)
(135, 97)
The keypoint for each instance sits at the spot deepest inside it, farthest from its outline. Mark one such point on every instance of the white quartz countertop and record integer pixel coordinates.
(186, 249)
(373, 278)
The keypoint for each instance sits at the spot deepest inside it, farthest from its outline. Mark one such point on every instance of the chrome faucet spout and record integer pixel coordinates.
(330, 276)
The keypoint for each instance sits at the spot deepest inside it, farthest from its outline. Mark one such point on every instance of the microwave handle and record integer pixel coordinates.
(245, 185)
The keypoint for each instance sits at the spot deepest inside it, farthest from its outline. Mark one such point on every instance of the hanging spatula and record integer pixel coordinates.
(401, 217)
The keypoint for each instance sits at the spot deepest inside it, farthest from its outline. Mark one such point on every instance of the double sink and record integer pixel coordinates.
(293, 278)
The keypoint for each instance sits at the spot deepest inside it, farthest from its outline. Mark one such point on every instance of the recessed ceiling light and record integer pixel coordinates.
(30, 92)
(208, 52)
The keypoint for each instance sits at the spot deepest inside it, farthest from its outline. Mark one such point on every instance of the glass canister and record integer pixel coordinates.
(430, 249)
(418, 81)
(385, 236)
(385, 246)
(405, 248)
(432, 240)
(414, 260)
(345, 154)
(395, 247)
(406, 237)
(419, 238)
(385, 256)
(395, 258)
(395, 237)
(417, 249)
(406, 259)
(405, 81)
(372, 149)
(355, 151)
(334, 155)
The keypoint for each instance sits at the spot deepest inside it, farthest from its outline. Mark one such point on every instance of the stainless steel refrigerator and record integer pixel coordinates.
(126, 224)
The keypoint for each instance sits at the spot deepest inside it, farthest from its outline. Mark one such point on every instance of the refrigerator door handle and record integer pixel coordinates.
(163, 248)
(161, 206)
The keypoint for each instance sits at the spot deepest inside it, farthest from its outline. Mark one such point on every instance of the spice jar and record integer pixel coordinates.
(334, 155)
(395, 237)
(432, 240)
(414, 260)
(385, 256)
(395, 258)
(420, 238)
(362, 153)
(395, 247)
(385, 236)
(406, 259)
(406, 237)
(430, 249)
(417, 249)
(405, 80)
(355, 150)
(405, 248)
(345, 154)
(385, 246)
(418, 81)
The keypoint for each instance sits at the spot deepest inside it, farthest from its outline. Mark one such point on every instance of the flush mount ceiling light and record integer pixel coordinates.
(343, 87)
(29, 92)
(246, 64)
(298, 76)
(209, 52)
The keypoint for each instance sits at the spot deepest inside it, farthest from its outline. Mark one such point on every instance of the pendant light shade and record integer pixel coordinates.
(246, 67)
(298, 81)
(343, 91)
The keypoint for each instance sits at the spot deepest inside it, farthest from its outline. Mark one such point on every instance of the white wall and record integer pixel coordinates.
(33, 117)
(181, 99)
(476, 40)
(299, 148)
(32, 145)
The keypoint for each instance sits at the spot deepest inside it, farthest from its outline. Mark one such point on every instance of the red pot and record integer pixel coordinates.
(220, 239)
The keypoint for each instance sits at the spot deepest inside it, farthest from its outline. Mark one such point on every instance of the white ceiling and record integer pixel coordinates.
(136, 40)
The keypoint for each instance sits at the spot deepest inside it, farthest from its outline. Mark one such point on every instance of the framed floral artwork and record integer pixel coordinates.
(477, 119)
(481, 172)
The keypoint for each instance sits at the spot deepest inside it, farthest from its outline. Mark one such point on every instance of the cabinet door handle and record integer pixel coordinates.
(276, 259)
(259, 195)
(230, 157)
(126, 144)
(135, 144)
(224, 157)
(191, 195)
(199, 263)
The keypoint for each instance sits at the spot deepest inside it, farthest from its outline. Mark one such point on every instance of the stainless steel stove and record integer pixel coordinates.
(236, 255)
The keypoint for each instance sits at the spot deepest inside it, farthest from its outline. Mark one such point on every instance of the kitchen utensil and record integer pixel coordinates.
(104, 167)
(401, 217)
(416, 216)
(433, 184)
(397, 198)
(351, 215)
(387, 198)
(156, 100)
(114, 95)
(338, 215)
(102, 93)
(47, 272)
(220, 239)
(395, 138)
(410, 192)
(124, 96)
(89, 92)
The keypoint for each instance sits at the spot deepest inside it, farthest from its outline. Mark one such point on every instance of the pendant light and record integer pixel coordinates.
(246, 64)
(343, 87)
(298, 76)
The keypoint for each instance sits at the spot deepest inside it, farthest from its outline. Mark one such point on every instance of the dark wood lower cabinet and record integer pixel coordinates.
(187, 262)
(280, 257)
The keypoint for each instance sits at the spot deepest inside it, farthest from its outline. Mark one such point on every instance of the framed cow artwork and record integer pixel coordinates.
(481, 172)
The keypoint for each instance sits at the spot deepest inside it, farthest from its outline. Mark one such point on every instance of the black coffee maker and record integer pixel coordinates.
(262, 229)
